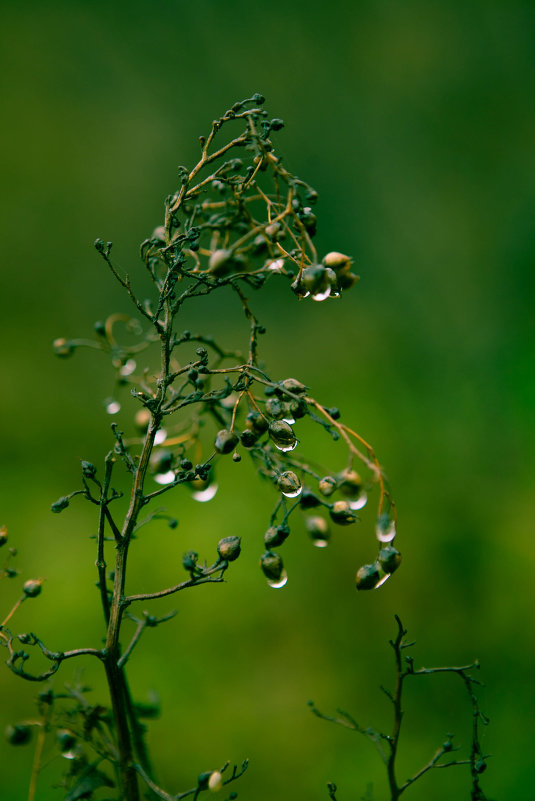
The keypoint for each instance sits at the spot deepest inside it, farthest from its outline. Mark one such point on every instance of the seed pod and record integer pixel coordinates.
(315, 279)
(32, 588)
(59, 505)
(63, 348)
(293, 385)
(389, 558)
(275, 409)
(309, 500)
(272, 566)
(347, 280)
(248, 438)
(3, 535)
(342, 513)
(338, 262)
(289, 484)
(19, 734)
(203, 779)
(297, 408)
(275, 536)
(282, 435)
(368, 577)
(255, 421)
(226, 441)
(229, 548)
(327, 485)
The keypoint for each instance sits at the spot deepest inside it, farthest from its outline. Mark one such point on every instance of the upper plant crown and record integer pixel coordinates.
(238, 218)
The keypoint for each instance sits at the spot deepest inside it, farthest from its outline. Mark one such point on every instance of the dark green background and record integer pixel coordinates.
(415, 122)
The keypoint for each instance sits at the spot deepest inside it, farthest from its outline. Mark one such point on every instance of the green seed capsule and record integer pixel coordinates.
(293, 385)
(289, 484)
(389, 558)
(327, 485)
(3, 535)
(66, 740)
(368, 576)
(338, 262)
(229, 548)
(272, 566)
(342, 513)
(282, 435)
(32, 588)
(226, 441)
(275, 536)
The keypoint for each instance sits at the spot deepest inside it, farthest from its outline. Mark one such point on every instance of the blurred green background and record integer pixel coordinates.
(415, 122)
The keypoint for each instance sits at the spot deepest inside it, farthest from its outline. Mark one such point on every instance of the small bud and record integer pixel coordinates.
(158, 234)
(89, 470)
(342, 513)
(189, 561)
(368, 577)
(289, 484)
(349, 483)
(282, 435)
(215, 782)
(172, 522)
(315, 279)
(59, 505)
(327, 485)
(32, 587)
(389, 558)
(229, 548)
(3, 535)
(100, 328)
(24, 638)
(276, 124)
(63, 348)
(236, 457)
(20, 734)
(275, 536)
(226, 441)
(272, 566)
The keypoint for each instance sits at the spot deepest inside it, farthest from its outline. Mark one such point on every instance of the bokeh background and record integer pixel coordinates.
(415, 122)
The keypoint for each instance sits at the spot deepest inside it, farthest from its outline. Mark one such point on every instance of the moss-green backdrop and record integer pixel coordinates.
(415, 122)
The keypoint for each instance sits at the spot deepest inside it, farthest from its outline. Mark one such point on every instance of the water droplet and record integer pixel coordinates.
(128, 367)
(319, 543)
(385, 530)
(382, 580)
(160, 437)
(113, 406)
(206, 494)
(286, 448)
(165, 478)
(360, 502)
(289, 420)
(280, 582)
(322, 295)
(293, 494)
(71, 754)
